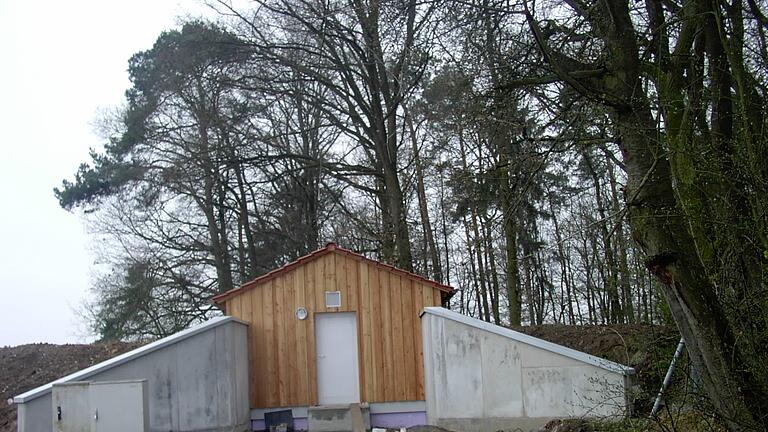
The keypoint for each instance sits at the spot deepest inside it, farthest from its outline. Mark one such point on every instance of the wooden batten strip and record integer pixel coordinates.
(291, 370)
(366, 346)
(302, 363)
(378, 334)
(270, 347)
(418, 302)
(258, 343)
(406, 292)
(398, 350)
(312, 288)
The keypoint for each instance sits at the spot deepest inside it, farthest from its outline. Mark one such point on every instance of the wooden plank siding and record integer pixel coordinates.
(282, 348)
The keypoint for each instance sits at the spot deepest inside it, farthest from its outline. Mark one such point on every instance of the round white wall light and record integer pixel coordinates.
(301, 313)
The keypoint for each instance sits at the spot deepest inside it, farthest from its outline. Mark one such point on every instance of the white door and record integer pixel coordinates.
(337, 369)
(71, 407)
(119, 406)
(109, 406)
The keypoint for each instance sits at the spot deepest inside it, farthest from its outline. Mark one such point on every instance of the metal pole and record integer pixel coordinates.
(668, 377)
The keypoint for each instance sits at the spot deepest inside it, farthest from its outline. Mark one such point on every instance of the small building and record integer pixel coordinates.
(338, 341)
(335, 327)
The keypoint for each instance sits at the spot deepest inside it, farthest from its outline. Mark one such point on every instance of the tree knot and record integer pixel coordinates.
(659, 265)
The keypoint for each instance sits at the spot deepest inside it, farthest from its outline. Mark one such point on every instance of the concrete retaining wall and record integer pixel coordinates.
(484, 377)
(197, 381)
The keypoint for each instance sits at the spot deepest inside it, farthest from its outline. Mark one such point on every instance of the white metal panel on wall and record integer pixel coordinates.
(119, 406)
(338, 372)
(115, 406)
(71, 407)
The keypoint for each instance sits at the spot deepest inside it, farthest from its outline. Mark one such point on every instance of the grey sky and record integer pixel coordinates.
(62, 61)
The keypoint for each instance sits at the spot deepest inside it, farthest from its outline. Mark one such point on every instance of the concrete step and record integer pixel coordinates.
(339, 418)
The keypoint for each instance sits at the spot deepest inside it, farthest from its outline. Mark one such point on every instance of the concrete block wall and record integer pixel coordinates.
(478, 377)
(197, 381)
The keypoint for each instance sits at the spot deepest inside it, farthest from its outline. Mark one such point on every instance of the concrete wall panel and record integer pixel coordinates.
(241, 409)
(196, 384)
(536, 357)
(548, 392)
(501, 366)
(583, 391)
(475, 374)
(461, 386)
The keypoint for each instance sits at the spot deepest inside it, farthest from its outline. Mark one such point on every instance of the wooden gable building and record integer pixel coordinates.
(334, 327)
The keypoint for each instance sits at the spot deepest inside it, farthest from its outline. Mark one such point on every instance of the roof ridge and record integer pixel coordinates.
(328, 248)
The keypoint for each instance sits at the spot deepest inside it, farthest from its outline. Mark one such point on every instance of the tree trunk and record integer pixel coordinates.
(623, 268)
(662, 233)
(615, 312)
(434, 257)
(659, 226)
(208, 205)
(486, 227)
(562, 260)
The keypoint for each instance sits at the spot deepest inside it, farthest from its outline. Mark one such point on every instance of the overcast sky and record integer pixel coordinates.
(62, 61)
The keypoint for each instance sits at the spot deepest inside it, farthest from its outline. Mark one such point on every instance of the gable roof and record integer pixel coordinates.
(530, 340)
(328, 249)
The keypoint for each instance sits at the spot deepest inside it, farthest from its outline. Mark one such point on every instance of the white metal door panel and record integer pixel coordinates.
(71, 407)
(119, 406)
(337, 366)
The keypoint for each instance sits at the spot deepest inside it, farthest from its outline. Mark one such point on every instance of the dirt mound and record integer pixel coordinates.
(647, 348)
(25, 367)
(617, 343)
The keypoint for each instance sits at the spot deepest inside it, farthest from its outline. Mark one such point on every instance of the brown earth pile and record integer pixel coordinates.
(617, 343)
(25, 367)
(647, 348)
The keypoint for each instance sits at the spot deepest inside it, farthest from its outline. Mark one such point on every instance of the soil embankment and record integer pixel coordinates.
(25, 367)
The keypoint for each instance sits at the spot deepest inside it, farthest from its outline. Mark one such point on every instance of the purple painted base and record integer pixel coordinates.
(387, 420)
